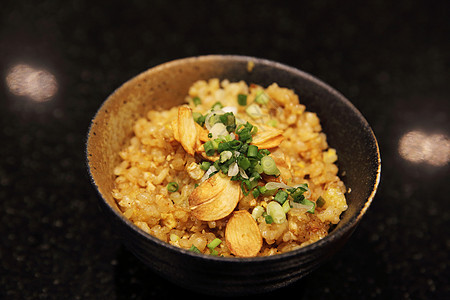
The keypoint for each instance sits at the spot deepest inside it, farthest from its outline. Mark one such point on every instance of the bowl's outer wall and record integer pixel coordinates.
(167, 85)
(224, 276)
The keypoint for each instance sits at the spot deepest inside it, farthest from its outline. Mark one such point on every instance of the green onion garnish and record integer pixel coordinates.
(269, 166)
(286, 207)
(272, 123)
(205, 165)
(224, 156)
(245, 132)
(172, 187)
(216, 106)
(257, 212)
(311, 203)
(229, 120)
(256, 193)
(242, 99)
(194, 249)
(209, 148)
(243, 162)
(199, 118)
(320, 201)
(214, 243)
(261, 97)
(197, 101)
(303, 186)
(268, 219)
(262, 190)
(254, 111)
(281, 197)
(276, 211)
(213, 119)
(252, 151)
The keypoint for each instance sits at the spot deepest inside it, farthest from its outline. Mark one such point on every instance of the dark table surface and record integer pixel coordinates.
(390, 58)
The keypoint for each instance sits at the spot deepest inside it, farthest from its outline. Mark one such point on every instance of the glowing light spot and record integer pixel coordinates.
(419, 147)
(39, 85)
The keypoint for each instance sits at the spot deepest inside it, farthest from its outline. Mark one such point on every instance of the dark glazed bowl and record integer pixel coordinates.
(166, 85)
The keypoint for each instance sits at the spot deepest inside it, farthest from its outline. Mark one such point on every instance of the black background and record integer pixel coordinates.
(390, 58)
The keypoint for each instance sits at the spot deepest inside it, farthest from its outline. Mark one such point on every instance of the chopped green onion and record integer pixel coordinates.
(277, 213)
(213, 119)
(298, 198)
(261, 97)
(197, 101)
(252, 151)
(225, 155)
(254, 111)
(199, 118)
(256, 193)
(194, 249)
(254, 130)
(245, 137)
(266, 192)
(245, 132)
(229, 120)
(246, 186)
(214, 243)
(272, 123)
(297, 195)
(281, 197)
(303, 186)
(215, 144)
(320, 201)
(172, 187)
(242, 99)
(258, 168)
(209, 148)
(229, 145)
(269, 166)
(205, 165)
(268, 219)
(243, 162)
(286, 207)
(257, 211)
(218, 129)
(217, 106)
(311, 203)
(263, 152)
(297, 192)
(254, 175)
(243, 148)
(262, 190)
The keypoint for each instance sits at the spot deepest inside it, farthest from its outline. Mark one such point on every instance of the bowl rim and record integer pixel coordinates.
(334, 235)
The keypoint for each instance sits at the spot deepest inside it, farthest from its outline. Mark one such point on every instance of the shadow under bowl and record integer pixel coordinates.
(167, 85)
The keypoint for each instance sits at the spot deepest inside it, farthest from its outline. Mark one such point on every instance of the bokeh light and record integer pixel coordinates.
(419, 147)
(38, 85)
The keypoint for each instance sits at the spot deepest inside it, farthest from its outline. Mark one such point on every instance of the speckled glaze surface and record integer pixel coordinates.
(166, 85)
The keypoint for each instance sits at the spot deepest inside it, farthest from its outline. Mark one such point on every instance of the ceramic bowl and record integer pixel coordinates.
(166, 85)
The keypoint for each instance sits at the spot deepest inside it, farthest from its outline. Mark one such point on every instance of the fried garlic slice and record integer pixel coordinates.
(187, 131)
(215, 198)
(242, 234)
(267, 137)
